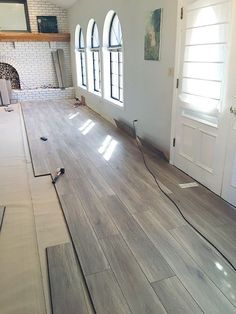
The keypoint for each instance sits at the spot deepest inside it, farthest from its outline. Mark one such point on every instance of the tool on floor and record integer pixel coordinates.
(43, 138)
(60, 171)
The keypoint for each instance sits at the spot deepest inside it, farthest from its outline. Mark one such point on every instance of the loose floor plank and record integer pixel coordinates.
(175, 297)
(66, 288)
(139, 294)
(2, 212)
(106, 294)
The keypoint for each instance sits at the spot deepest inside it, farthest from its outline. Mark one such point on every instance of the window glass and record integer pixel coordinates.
(115, 38)
(95, 37)
(81, 40)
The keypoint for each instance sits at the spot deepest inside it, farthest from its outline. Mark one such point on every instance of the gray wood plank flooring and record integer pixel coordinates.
(138, 292)
(191, 275)
(213, 264)
(151, 261)
(175, 297)
(94, 208)
(66, 287)
(86, 243)
(133, 246)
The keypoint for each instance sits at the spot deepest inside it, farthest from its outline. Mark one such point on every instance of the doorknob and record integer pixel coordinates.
(233, 107)
(233, 110)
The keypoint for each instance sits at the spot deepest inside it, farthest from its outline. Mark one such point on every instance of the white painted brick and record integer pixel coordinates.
(41, 7)
(33, 60)
(42, 94)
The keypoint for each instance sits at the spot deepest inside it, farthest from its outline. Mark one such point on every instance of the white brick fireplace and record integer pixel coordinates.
(33, 60)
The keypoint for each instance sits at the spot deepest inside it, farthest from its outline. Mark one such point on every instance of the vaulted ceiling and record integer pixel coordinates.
(63, 3)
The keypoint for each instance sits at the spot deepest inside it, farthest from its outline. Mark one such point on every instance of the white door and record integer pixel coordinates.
(202, 106)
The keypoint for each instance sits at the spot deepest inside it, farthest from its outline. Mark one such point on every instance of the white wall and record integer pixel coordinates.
(148, 85)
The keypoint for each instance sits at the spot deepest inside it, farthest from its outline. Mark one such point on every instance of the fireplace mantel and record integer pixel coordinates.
(43, 37)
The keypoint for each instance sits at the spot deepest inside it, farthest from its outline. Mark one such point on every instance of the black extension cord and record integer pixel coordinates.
(173, 202)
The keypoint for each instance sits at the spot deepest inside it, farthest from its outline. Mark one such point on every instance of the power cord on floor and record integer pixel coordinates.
(139, 145)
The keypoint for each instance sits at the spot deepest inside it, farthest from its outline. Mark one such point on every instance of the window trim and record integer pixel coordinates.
(27, 19)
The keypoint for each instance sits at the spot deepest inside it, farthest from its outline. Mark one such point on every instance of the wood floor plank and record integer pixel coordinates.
(209, 298)
(101, 222)
(85, 241)
(228, 232)
(2, 212)
(130, 278)
(212, 263)
(98, 182)
(66, 288)
(147, 255)
(167, 215)
(175, 297)
(106, 294)
(125, 192)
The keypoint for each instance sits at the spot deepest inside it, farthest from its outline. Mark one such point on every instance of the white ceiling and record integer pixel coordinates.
(63, 3)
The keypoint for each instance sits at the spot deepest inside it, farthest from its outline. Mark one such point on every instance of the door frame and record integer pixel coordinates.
(178, 56)
(176, 76)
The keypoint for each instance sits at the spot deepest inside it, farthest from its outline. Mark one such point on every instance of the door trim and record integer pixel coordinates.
(176, 76)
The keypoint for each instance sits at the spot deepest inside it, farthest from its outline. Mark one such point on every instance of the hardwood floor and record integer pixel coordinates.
(136, 252)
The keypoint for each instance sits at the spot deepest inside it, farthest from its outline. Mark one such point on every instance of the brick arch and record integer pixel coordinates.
(13, 63)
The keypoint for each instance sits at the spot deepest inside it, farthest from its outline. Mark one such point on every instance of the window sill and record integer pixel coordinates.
(83, 87)
(114, 102)
(95, 93)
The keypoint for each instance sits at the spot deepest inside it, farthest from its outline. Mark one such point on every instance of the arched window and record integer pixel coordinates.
(80, 57)
(116, 59)
(95, 49)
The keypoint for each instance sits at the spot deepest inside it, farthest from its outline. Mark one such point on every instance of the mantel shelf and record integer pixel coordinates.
(48, 37)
